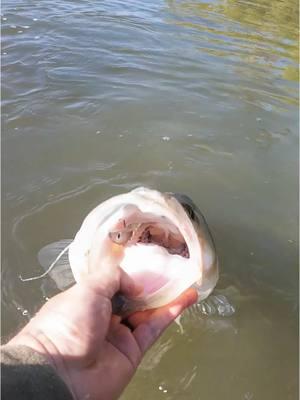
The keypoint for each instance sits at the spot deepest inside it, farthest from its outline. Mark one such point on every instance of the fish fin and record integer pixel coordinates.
(217, 304)
(57, 254)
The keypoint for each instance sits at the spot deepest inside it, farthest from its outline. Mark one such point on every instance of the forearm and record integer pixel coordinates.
(26, 374)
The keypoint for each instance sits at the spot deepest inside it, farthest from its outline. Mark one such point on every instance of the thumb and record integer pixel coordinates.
(128, 286)
(108, 281)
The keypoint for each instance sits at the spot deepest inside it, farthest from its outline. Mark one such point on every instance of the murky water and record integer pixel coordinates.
(195, 97)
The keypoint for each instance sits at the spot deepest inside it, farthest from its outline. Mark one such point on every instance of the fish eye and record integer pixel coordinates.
(189, 210)
(120, 237)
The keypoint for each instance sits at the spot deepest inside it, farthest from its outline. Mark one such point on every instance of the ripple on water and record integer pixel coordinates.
(203, 93)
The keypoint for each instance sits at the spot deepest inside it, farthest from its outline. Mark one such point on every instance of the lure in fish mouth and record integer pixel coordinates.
(160, 239)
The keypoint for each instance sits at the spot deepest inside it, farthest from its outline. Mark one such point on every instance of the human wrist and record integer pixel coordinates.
(27, 373)
(39, 343)
(35, 343)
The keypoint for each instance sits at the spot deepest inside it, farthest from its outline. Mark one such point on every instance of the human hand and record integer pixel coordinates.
(91, 349)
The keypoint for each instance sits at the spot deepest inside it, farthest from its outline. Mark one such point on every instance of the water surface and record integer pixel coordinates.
(194, 97)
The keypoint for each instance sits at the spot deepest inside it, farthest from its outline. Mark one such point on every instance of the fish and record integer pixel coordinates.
(160, 239)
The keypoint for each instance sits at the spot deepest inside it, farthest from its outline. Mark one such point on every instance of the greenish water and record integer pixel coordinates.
(193, 97)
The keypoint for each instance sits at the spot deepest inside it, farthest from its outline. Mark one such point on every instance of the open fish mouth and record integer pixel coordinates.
(154, 234)
(155, 254)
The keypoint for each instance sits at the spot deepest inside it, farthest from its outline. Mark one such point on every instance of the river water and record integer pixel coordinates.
(195, 97)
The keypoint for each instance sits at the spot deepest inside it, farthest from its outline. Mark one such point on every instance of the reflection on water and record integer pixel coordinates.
(193, 97)
(259, 32)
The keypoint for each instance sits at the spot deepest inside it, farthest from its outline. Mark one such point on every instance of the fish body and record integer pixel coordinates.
(160, 239)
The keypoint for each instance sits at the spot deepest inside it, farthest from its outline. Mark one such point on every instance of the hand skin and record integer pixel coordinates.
(91, 349)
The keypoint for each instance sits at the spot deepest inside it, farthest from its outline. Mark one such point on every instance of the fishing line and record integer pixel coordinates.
(48, 270)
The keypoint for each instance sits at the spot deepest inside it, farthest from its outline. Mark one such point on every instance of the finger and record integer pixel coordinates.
(140, 317)
(123, 340)
(150, 325)
(128, 286)
(103, 282)
(103, 260)
(115, 321)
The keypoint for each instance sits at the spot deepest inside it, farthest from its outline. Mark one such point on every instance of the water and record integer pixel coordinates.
(193, 97)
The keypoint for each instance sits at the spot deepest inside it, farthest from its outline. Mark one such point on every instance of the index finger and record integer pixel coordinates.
(149, 325)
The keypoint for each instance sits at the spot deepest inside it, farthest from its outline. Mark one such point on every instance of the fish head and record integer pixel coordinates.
(159, 239)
